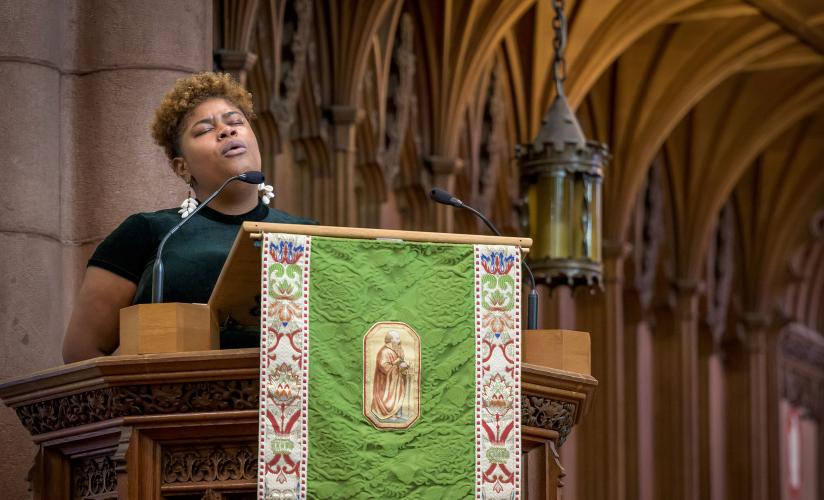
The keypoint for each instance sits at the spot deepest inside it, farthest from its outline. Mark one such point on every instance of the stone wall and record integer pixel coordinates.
(79, 81)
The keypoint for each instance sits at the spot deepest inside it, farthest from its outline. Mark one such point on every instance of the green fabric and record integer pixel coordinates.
(353, 285)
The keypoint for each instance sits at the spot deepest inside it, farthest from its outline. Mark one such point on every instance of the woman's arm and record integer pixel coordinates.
(95, 323)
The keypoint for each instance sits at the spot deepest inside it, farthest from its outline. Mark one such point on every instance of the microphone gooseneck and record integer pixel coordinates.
(252, 177)
(446, 198)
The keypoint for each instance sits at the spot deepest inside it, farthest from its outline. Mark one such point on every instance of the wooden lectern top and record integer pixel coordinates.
(237, 288)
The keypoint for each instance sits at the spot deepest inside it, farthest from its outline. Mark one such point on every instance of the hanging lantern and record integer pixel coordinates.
(561, 176)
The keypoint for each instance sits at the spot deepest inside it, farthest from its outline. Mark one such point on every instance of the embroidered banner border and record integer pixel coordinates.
(284, 366)
(497, 372)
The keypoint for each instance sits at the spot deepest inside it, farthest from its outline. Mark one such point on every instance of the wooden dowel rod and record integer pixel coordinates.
(256, 230)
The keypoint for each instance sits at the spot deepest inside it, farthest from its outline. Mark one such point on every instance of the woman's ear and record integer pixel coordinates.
(181, 168)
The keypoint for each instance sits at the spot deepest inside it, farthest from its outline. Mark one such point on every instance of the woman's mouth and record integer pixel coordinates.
(233, 148)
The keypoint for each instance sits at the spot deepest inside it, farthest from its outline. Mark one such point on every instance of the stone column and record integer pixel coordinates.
(675, 397)
(443, 176)
(757, 329)
(31, 292)
(344, 120)
(601, 437)
(712, 437)
(748, 417)
(774, 424)
(638, 397)
(80, 83)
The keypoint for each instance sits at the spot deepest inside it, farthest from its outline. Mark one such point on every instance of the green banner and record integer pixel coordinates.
(389, 369)
(354, 285)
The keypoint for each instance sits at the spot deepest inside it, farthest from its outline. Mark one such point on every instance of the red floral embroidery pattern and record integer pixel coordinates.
(284, 356)
(498, 371)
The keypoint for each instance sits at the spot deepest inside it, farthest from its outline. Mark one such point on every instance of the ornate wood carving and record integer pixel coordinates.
(401, 83)
(221, 395)
(296, 30)
(195, 435)
(212, 495)
(803, 369)
(649, 235)
(186, 464)
(151, 399)
(94, 477)
(551, 414)
(720, 267)
(804, 389)
(802, 344)
(492, 135)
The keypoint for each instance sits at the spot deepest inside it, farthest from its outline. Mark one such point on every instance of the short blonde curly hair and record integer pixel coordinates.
(187, 93)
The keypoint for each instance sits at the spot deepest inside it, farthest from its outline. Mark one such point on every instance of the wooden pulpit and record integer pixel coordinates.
(185, 424)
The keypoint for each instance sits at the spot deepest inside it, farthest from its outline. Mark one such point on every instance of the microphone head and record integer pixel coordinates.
(252, 177)
(441, 196)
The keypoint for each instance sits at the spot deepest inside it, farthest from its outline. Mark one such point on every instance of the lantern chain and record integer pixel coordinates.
(559, 25)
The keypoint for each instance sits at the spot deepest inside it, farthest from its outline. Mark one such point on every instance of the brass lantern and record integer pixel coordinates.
(561, 176)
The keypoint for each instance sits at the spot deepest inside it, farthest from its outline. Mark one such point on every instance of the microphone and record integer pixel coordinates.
(252, 177)
(446, 198)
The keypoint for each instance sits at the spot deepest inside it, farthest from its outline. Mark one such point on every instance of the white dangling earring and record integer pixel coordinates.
(266, 192)
(188, 206)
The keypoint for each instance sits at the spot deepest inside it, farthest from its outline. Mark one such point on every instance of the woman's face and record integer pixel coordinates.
(217, 142)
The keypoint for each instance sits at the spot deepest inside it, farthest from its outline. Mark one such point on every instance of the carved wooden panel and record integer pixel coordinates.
(156, 399)
(218, 462)
(93, 478)
(549, 414)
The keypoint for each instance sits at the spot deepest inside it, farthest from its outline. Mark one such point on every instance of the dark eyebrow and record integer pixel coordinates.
(230, 113)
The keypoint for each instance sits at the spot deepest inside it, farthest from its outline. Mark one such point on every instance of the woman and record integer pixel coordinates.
(203, 126)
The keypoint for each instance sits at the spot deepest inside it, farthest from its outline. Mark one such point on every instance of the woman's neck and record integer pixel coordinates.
(234, 200)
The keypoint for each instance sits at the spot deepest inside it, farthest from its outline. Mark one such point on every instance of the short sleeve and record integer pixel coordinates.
(128, 250)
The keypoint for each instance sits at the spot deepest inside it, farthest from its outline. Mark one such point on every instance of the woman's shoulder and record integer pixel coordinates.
(280, 216)
(149, 222)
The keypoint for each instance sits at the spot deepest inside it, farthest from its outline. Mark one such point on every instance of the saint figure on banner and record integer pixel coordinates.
(391, 380)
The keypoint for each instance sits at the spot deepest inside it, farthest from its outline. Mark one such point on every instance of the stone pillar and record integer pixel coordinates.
(712, 437)
(80, 83)
(775, 426)
(638, 397)
(601, 471)
(443, 176)
(344, 122)
(31, 292)
(748, 418)
(676, 400)
(757, 329)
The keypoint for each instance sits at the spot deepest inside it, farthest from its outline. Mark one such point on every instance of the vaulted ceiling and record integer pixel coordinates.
(726, 95)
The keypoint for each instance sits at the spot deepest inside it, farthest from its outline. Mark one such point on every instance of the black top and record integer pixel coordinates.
(193, 256)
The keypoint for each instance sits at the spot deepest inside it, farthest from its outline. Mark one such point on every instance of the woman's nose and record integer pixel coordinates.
(227, 131)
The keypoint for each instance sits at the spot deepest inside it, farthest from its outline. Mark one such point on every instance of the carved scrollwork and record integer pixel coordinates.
(104, 404)
(93, 477)
(802, 350)
(650, 234)
(492, 130)
(400, 104)
(297, 30)
(805, 390)
(550, 414)
(209, 463)
(720, 266)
